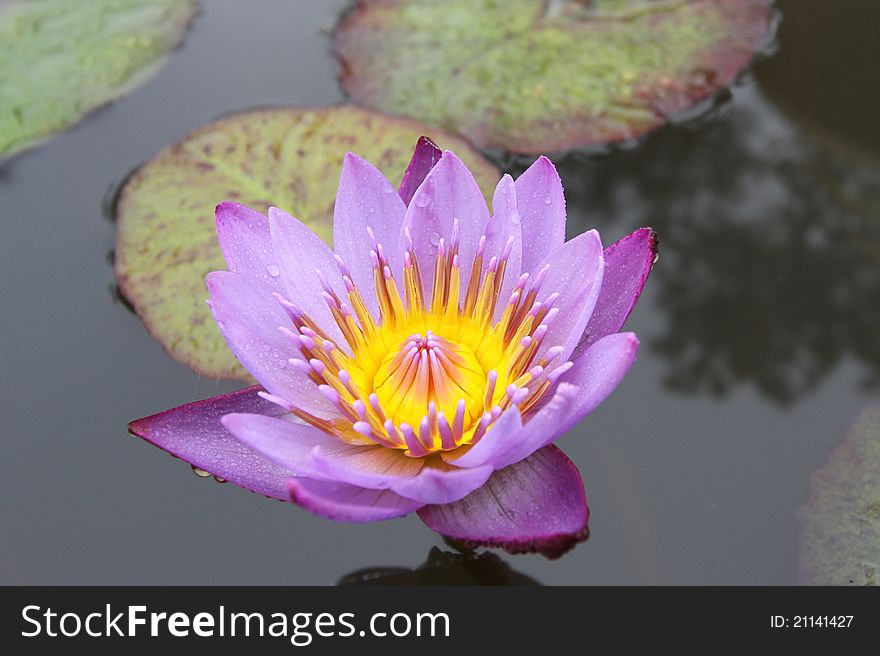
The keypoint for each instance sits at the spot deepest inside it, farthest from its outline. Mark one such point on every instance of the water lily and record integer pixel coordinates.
(426, 364)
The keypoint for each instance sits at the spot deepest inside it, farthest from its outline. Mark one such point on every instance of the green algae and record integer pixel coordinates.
(532, 77)
(840, 521)
(60, 59)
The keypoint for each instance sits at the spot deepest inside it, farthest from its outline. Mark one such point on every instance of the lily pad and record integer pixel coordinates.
(60, 59)
(531, 77)
(840, 521)
(286, 157)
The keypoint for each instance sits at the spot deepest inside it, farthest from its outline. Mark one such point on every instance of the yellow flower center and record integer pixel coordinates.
(429, 376)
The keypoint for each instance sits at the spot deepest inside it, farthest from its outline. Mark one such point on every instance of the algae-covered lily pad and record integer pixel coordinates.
(60, 59)
(840, 521)
(287, 157)
(531, 77)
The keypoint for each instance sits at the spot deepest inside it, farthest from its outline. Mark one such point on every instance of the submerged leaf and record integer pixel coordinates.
(286, 157)
(840, 521)
(532, 77)
(60, 59)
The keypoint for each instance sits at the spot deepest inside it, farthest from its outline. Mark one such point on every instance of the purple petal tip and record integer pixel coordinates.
(424, 157)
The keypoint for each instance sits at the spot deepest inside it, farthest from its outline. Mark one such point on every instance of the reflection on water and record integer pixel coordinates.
(770, 223)
(770, 249)
(826, 76)
(444, 568)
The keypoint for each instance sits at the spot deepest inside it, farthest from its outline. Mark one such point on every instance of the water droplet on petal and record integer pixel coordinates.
(434, 238)
(201, 473)
(273, 270)
(548, 200)
(422, 200)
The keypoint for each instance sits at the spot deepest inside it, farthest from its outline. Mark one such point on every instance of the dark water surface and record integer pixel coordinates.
(759, 329)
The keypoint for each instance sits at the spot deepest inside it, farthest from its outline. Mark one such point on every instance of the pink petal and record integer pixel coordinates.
(597, 372)
(193, 433)
(301, 254)
(502, 435)
(366, 199)
(504, 449)
(424, 157)
(248, 317)
(448, 193)
(536, 505)
(575, 274)
(594, 376)
(244, 239)
(592, 379)
(543, 222)
(348, 503)
(504, 225)
(433, 485)
(628, 263)
(282, 441)
(374, 467)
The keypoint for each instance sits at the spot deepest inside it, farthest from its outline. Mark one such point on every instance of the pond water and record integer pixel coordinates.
(758, 329)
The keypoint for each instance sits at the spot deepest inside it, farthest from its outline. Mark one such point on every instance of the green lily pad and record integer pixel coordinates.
(286, 157)
(840, 521)
(532, 77)
(60, 59)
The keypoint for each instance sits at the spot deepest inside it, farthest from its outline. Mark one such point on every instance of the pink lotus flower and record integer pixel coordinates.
(428, 364)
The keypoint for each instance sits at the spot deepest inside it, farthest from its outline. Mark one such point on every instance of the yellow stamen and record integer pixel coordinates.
(428, 375)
